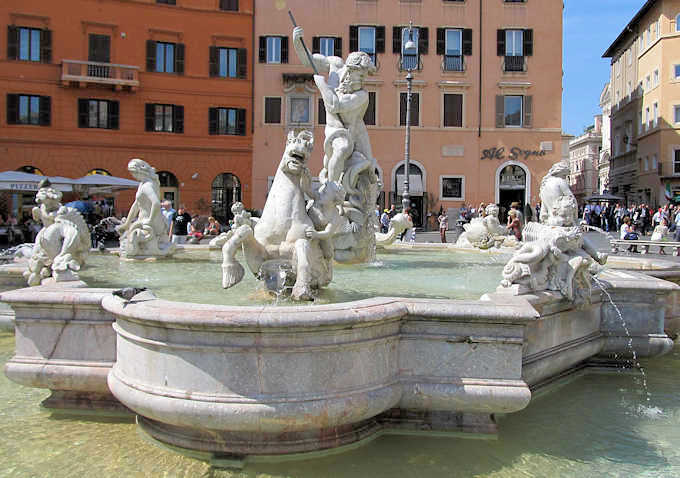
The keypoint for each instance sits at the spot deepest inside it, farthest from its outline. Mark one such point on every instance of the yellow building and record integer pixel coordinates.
(645, 111)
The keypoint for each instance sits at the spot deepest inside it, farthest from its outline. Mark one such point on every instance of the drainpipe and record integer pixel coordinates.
(479, 127)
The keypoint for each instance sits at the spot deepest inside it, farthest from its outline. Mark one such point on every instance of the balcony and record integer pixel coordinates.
(453, 63)
(514, 63)
(84, 72)
(409, 62)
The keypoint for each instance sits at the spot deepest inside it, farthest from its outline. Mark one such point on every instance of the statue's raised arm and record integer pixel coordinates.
(321, 62)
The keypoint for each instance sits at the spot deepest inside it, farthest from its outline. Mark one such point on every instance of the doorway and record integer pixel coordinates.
(512, 186)
(99, 50)
(416, 191)
(226, 190)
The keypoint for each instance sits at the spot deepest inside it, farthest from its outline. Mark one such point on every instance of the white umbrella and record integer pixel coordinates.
(102, 183)
(18, 181)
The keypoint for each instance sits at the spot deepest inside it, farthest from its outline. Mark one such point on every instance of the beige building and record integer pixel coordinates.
(605, 152)
(584, 155)
(645, 105)
(486, 104)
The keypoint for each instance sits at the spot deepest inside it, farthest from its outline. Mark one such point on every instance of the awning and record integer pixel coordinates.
(605, 197)
(415, 187)
(101, 183)
(18, 181)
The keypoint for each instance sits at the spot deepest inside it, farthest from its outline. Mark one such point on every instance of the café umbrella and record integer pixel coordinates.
(18, 181)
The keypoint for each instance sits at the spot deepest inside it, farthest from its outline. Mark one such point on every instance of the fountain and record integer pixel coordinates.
(251, 382)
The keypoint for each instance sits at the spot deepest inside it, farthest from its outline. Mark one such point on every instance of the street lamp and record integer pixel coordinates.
(409, 46)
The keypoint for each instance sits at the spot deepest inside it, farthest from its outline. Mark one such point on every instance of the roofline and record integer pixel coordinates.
(609, 53)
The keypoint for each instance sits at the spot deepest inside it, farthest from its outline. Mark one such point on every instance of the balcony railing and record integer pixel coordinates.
(514, 63)
(409, 62)
(99, 73)
(453, 63)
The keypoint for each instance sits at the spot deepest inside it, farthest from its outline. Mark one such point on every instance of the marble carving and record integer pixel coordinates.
(399, 223)
(144, 232)
(63, 243)
(556, 255)
(348, 157)
(485, 232)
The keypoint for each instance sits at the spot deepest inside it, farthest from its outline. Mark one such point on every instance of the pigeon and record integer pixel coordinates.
(128, 293)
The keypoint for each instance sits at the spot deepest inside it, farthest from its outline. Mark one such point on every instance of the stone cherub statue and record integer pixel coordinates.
(399, 223)
(286, 234)
(484, 232)
(144, 233)
(347, 147)
(556, 254)
(63, 243)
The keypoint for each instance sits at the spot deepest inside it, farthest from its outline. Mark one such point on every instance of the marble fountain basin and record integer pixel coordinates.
(218, 380)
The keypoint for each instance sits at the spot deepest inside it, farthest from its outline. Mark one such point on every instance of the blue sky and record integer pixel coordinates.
(590, 26)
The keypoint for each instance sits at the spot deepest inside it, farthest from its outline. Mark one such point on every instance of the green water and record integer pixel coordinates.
(196, 276)
(595, 426)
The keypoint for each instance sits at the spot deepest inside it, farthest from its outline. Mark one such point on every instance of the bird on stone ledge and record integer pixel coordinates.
(127, 293)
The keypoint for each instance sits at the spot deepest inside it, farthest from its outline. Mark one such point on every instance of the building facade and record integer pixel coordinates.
(486, 108)
(89, 84)
(584, 156)
(605, 152)
(645, 105)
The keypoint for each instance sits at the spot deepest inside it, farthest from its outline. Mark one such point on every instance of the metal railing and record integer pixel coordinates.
(514, 63)
(409, 62)
(453, 63)
(102, 73)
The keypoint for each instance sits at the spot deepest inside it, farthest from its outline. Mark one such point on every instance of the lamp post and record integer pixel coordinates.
(409, 46)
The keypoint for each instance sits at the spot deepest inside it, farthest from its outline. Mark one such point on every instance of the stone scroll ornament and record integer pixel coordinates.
(556, 254)
(144, 232)
(348, 157)
(62, 244)
(291, 247)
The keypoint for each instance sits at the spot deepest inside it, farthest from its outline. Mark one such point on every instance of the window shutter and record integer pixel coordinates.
(528, 42)
(321, 112)
(353, 38)
(83, 112)
(284, 49)
(423, 40)
(46, 46)
(453, 110)
(12, 42)
(467, 41)
(212, 120)
(441, 41)
(179, 58)
(262, 58)
(241, 121)
(214, 60)
(150, 55)
(528, 111)
(114, 114)
(369, 115)
(500, 42)
(316, 45)
(500, 111)
(380, 39)
(12, 108)
(337, 44)
(272, 110)
(150, 116)
(178, 117)
(396, 40)
(402, 108)
(45, 110)
(415, 109)
(242, 68)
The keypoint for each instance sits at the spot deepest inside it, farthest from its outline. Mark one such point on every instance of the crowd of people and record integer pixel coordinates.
(183, 227)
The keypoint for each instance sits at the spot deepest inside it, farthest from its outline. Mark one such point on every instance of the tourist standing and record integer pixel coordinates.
(180, 226)
(514, 225)
(385, 221)
(393, 211)
(168, 212)
(528, 212)
(443, 225)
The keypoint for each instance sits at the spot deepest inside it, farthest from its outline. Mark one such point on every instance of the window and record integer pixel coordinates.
(676, 161)
(369, 115)
(676, 114)
(629, 57)
(514, 45)
(452, 188)
(228, 62)
(658, 28)
(649, 35)
(415, 109)
(454, 44)
(410, 57)
(677, 23)
(642, 123)
(229, 5)
(164, 118)
(656, 114)
(654, 163)
(676, 71)
(28, 109)
(272, 110)
(327, 46)
(299, 109)
(648, 82)
(102, 114)
(514, 111)
(656, 77)
(29, 44)
(229, 121)
(274, 49)
(167, 2)
(369, 39)
(453, 110)
(648, 118)
(645, 161)
(165, 57)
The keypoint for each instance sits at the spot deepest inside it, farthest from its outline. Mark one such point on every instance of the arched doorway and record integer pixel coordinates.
(416, 191)
(101, 171)
(226, 190)
(169, 187)
(31, 170)
(512, 185)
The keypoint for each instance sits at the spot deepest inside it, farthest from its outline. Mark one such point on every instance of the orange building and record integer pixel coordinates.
(487, 93)
(86, 85)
